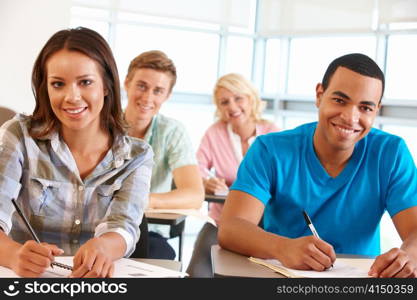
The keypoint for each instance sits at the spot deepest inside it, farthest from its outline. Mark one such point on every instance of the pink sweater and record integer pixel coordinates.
(216, 150)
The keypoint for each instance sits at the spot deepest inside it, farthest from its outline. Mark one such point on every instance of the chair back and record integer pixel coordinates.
(6, 114)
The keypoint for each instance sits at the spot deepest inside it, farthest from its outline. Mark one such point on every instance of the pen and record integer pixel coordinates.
(32, 232)
(311, 226)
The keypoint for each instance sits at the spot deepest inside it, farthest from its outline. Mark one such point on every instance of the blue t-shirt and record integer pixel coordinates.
(283, 171)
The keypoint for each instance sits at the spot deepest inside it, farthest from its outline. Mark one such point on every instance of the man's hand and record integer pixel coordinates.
(307, 253)
(394, 263)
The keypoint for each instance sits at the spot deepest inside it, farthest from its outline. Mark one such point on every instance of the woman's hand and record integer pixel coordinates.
(32, 258)
(214, 184)
(92, 261)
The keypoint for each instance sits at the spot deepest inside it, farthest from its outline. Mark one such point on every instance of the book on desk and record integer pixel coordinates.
(342, 268)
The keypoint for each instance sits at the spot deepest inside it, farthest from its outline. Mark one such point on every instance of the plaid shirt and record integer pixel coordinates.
(41, 174)
(173, 149)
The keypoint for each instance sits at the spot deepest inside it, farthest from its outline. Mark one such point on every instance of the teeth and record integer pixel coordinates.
(344, 130)
(145, 107)
(235, 114)
(75, 111)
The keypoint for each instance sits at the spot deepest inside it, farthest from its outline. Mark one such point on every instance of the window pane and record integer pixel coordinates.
(195, 54)
(101, 27)
(239, 56)
(271, 75)
(401, 66)
(309, 58)
(408, 133)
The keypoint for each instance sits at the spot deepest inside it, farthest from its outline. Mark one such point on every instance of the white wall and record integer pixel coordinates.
(25, 26)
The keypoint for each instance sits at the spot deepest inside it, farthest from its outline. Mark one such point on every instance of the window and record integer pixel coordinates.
(309, 58)
(239, 51)
(401, 67)
(195, 54)
(272, 66)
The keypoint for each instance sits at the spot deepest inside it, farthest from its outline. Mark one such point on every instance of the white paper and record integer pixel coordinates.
(221, 192)
(342, 267)
(123, 268)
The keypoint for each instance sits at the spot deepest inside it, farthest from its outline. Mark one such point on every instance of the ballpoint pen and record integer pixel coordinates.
(311, 226)
(35, 237)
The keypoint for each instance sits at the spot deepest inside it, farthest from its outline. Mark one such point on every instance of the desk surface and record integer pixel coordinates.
(164, 218)
(165, 263)
(230, 264)
(214, 198)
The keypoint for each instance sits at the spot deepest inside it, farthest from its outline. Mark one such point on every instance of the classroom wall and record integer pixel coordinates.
(25, 26)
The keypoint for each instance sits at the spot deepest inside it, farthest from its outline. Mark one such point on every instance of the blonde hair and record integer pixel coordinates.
(238, 84)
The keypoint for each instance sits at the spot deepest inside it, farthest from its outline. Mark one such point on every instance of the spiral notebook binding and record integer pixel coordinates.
(60, 265)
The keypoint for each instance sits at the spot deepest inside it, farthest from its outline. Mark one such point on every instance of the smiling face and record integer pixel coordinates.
(75, 89)
(233, 107)
(347, 110)
(146, 91)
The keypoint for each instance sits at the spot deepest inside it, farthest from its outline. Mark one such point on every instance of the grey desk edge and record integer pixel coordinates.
(165, 263)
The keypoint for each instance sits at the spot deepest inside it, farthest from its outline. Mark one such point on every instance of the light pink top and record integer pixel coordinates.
(217, 150)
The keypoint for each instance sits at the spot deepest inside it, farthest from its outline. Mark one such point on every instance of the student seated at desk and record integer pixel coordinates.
(149, 82)
(340, 170)
(70, 166)
(238, 108)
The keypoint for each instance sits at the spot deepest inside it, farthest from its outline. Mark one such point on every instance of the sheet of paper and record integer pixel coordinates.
(343, 267)
(124, 268)
(186, 212)
(221, 192)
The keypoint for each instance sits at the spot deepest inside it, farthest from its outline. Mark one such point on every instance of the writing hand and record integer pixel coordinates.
(32, 258)
(214, 184)
(307, 253)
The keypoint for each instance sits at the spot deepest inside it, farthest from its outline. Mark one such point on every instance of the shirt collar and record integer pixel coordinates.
(149, 132)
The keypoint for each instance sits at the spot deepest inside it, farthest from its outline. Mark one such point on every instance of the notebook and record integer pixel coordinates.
(123, 268)
(342, 268)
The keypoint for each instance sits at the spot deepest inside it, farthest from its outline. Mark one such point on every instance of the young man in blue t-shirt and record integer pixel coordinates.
(340, 170)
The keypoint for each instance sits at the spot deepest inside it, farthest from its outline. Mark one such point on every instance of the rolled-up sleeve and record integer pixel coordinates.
(127, 207)
(11, 164)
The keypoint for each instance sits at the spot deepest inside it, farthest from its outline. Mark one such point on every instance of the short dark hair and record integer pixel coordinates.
(155, 60)
(356, 62)
(92, 44)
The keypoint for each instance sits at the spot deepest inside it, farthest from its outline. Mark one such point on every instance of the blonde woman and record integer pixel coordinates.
(239, 122)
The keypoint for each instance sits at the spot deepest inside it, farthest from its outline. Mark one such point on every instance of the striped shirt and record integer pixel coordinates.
(65, 210)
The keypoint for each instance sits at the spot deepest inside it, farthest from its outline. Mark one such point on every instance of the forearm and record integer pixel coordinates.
(113, 244)
(7, 247)
(410, 245)
(244, 237)
(185, 198)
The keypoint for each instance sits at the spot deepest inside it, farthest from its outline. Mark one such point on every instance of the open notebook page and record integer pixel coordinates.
(343, 267)
(124, 268)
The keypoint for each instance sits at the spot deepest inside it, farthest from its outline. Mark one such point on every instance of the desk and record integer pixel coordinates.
(165, 263)
(177, 223)
(215, 199)
(230, 264)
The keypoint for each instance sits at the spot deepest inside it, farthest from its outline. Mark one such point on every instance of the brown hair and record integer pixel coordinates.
(92, 44)
(155, 60)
